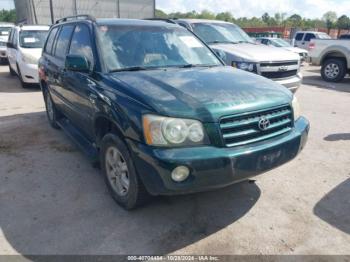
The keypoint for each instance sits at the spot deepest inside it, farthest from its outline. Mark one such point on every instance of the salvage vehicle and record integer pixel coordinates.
(24, 49)
(159, 112)
(237, 49)
(5, 29)
(302, 39)
(280, 43)
(333, 56)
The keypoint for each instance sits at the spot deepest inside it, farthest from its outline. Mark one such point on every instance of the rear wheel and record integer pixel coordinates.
(121, 178)
(333, 70)
(24, 85)
(12, 72)
(51, 111)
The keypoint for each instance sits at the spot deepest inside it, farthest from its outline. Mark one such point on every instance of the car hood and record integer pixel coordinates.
(295, 49)
(205, 94)
(255, 52)
(32, 52)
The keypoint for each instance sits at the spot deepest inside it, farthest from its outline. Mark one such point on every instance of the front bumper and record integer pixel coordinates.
(29, 73)
(292, 83)
(213, 167)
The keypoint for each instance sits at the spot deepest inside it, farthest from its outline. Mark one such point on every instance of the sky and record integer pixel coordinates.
(247, 8)
(250, 8)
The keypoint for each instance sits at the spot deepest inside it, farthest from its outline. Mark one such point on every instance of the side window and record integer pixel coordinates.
(50, 40)
(309, 36)
(15, 38)
(81, 43)
(63, 40)
(299, 36)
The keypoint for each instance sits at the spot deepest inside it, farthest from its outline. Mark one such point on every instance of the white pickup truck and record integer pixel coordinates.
(333, 56)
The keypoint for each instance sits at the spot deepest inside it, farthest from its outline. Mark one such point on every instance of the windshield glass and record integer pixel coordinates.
(4, 31)
(280, 43)
(32, 39)
(324, 36)
(221, 33)
(133, 46)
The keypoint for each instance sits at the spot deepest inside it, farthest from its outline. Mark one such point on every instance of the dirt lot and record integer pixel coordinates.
(52, 201)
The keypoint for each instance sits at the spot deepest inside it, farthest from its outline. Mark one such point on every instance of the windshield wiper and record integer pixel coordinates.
(197, 65)
(222, 42)
(133, 68)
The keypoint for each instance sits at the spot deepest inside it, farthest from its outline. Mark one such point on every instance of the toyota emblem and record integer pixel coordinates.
(264, 123)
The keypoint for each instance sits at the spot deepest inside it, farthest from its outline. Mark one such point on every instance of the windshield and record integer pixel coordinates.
(280, 43)
(145, 47)
(221, 33)
(4, 31)
(32, 39)
(324, 36)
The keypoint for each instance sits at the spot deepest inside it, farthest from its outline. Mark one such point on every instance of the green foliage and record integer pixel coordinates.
(8, 15)
(329, 19)
(343, 22)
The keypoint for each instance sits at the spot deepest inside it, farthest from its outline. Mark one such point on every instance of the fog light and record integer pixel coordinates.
(180, 173)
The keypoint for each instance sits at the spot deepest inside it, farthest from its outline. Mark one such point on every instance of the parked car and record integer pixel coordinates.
(5, 29)
(280, 43)
(302, 38)
(344, 37)
(24, 49)
(237, 49)
(333, 56)
(159, 110)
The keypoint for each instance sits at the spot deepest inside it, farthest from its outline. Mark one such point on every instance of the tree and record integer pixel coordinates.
(266, 18)
(330, 19)
(343, 22)
(8, 16)
(161, 14)
(224, 16)
(295, 20)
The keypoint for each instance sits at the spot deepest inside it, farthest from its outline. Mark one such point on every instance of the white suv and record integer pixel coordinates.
(4, 33)
(24, 49)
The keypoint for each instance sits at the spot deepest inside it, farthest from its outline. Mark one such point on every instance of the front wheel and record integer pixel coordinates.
(333, 70)
(51, 111)
(121, 178)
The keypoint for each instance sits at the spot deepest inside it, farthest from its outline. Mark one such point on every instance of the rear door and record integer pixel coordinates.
(307, 39)
(298, 39)
(12, 51)
(80, 86)
(56, 65)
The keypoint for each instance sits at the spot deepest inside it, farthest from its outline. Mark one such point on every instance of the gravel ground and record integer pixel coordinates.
(54, 202)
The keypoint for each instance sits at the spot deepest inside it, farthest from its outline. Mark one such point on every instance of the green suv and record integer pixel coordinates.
(159, 111)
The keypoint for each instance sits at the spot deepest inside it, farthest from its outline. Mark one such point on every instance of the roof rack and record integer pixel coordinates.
(76, 17)
(167, 20)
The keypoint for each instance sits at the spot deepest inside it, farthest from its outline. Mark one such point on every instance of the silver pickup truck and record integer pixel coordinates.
(236, 48)
(333, 56)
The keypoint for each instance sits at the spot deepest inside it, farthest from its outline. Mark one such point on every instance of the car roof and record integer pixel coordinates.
(196, 21)
(135, 22)
(312, 32)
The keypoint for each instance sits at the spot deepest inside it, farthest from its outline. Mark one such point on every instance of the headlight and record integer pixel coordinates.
(28, 59)
(250, 67)
(296, 108)
(167, 131)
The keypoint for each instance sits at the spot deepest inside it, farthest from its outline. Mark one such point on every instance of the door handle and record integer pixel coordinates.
(93, 98)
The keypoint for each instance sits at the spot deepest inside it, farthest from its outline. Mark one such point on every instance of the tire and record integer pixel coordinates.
(12, 72)
(129, 195)
(23, 84)
(333, 70)
(51, 111)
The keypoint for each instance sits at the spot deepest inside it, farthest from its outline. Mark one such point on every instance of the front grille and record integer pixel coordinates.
(279, 74)
(286, 63)
(2, 43)
(244, 129)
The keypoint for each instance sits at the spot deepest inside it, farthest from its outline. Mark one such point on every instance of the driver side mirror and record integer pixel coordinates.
(77, 63)
(10, 45)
